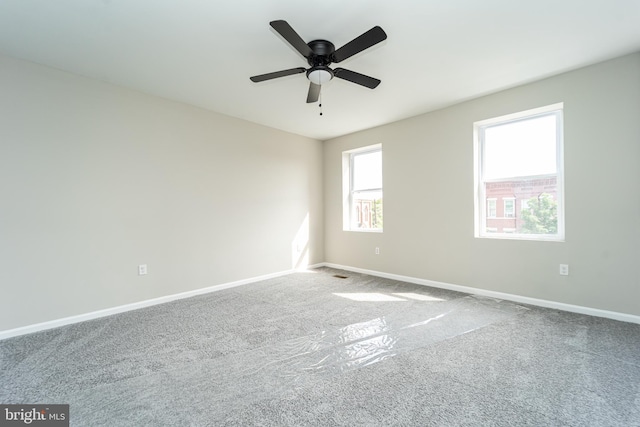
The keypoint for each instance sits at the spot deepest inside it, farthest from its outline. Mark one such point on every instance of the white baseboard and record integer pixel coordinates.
(311, 267)
(136, 305)
(161, 300)
(624, 317)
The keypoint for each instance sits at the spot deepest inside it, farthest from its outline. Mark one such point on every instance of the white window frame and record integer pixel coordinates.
(480, 206)
(347, 187)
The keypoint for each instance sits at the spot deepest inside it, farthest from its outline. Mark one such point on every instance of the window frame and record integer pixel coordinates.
(480, 202)
(348, 171)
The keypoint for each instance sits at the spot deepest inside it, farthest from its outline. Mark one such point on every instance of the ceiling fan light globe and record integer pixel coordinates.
(319, 76)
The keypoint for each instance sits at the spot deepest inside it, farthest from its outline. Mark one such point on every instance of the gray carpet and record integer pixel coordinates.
(312, 349)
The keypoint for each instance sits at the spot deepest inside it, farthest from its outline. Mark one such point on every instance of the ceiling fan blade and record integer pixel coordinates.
(356, 78)
(275, 75)
(360, 43)
(314, 93)
(284, 29)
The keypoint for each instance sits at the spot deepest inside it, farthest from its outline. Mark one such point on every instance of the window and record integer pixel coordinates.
(509, 207)
(519, 159)
(491, 208)
(362, 189)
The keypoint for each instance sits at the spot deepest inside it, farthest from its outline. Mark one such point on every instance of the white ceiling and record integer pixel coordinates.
(438, 52)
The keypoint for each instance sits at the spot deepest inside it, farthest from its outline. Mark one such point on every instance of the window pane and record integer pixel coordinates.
(367, 210)
(367, 171)
(538, 199)
(521, 148)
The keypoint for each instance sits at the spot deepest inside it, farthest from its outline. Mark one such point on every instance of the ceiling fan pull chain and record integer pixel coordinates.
(320, 104)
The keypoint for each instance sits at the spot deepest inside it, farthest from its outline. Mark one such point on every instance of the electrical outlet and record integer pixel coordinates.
(564, 269)
(377, 251)
(142, 269)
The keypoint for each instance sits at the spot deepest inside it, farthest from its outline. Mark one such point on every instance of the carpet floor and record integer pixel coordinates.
(312, 349)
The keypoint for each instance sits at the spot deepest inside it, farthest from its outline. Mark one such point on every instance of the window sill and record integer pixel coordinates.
(503, 236)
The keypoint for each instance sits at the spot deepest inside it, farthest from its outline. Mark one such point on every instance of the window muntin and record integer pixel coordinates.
(363, 198)
(519, 162)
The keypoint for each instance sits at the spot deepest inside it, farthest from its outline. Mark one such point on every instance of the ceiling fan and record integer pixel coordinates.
(320, 54)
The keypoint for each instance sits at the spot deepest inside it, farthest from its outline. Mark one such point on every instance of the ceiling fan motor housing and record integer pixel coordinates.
(322, 52)
(320, 73)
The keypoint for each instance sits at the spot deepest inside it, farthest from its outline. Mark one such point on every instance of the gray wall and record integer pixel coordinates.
(96, 179)
(428, 196)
